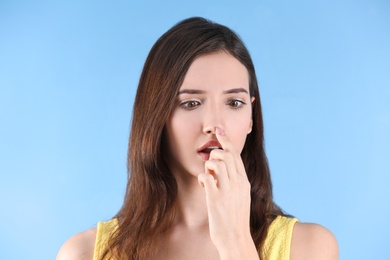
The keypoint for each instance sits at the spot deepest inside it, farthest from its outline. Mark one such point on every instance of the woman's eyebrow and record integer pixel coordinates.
(235, 90)
(191, 91)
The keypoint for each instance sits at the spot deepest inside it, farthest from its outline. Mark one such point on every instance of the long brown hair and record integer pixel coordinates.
(148, 208)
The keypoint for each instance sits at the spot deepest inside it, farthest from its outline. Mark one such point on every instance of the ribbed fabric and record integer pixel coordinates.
(276, 245)
(104, 230)
(278, 241)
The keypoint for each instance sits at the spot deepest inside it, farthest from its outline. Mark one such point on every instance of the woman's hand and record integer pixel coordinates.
(228, 201)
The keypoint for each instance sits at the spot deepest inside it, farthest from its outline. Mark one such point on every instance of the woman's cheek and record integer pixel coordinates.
(238, 129)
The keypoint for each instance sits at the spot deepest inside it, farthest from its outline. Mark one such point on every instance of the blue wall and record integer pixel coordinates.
(69, 72)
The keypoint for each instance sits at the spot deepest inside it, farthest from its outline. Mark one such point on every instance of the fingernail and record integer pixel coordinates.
(219, 131)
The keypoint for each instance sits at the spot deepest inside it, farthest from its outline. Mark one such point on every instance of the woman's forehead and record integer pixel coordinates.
(216, 70)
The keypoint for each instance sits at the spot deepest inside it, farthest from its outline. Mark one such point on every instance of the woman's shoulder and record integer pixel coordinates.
(79, 247)
(313, 241)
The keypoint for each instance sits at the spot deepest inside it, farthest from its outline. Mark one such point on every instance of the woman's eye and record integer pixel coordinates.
(234, 103)
(191, 104)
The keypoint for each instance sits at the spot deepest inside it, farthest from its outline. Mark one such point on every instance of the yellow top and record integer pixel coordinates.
(276, 245)
(104, 230)
(278, 240)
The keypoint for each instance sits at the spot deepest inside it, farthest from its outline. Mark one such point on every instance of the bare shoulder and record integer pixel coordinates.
(312, 241)
(79, 246)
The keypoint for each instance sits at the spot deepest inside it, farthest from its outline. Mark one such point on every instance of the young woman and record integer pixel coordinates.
(199, 185)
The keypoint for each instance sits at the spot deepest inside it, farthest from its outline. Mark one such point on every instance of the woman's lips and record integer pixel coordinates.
(205, 153)
(205, 150)
(205, 156)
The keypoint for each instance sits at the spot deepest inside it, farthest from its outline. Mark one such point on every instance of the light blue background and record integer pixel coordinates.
(69, 72)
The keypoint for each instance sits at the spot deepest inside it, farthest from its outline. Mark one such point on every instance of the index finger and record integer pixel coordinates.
(228, 146)
(224, 140)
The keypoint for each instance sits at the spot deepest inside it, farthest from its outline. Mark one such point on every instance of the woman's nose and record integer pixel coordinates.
(211, 120)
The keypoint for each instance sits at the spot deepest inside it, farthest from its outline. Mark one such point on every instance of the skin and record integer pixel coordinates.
(213, 195)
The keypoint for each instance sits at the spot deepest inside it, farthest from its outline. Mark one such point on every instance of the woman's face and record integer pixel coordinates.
(214, 93)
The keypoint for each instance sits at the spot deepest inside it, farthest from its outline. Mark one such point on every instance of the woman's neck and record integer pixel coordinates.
(191, 208)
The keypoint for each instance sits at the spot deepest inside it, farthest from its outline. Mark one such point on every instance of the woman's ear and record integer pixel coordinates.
(251, 122)
(250, 127)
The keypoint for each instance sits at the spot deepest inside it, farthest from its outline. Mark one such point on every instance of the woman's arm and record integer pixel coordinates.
(314, 242)
(78, 247)
(228, 201)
